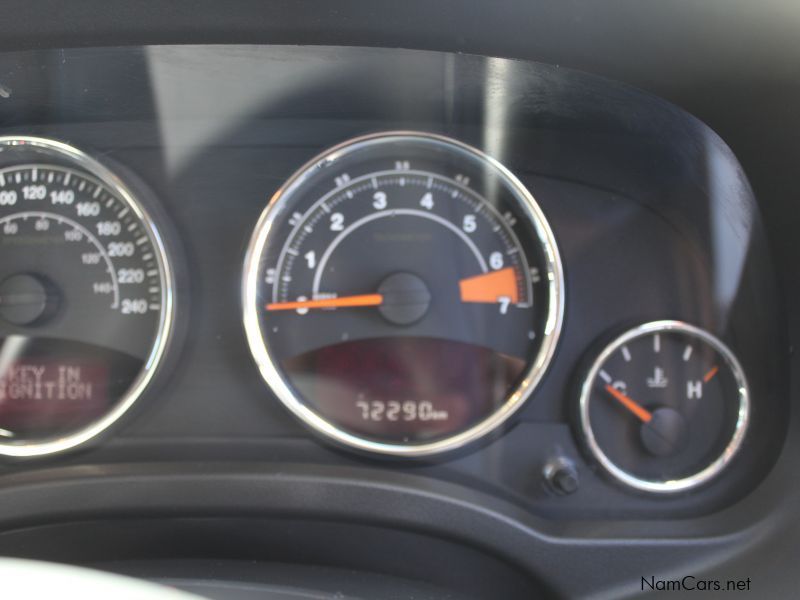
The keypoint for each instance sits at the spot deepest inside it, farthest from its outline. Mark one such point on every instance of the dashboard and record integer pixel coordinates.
(330, 319)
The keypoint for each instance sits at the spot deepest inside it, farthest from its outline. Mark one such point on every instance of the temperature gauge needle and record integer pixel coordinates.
(490, 287)
(341, 302)
(633, 406)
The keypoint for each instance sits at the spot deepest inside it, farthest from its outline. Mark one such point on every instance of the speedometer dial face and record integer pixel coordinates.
(85, 297)
(403, 294)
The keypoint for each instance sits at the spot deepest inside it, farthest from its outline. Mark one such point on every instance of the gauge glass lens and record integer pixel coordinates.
(665, 407)
(84, 297)
(403, 294)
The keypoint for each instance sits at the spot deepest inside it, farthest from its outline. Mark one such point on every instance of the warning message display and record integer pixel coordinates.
(41, 394)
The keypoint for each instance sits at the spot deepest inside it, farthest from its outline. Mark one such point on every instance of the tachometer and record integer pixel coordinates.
(403, 294)
(85, 297)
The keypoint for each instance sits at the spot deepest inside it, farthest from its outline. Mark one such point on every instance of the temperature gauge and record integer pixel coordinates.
(664, 407)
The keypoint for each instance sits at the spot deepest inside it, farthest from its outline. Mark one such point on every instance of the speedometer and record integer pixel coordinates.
(85, 297)
(403, 294)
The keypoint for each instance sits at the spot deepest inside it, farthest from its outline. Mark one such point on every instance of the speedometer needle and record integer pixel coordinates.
(341, 302)
(633, 406)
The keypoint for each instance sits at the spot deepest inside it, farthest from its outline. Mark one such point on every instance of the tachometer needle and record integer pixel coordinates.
(633, 406)
(341, 302)
(490, 287)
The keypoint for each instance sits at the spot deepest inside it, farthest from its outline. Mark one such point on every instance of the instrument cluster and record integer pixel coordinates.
(411, 296)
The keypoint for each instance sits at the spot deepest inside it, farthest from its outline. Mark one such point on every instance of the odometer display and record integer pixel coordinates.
(403, 294)
(85, 297)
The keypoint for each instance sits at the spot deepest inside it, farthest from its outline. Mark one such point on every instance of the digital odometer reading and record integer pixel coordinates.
(82, 297)
(403, 294)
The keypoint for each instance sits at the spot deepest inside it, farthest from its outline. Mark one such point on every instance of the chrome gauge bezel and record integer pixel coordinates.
(714, 468)
(79, 160)
(271, 372)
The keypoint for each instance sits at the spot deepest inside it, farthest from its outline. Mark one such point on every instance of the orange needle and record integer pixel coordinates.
(633, 406)
(342, 302)
(710, 375)
(490, 287)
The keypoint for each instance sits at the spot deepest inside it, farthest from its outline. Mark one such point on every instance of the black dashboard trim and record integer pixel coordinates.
(363, 496)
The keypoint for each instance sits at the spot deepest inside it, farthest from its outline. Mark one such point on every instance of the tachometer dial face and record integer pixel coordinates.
(665, 407)
(85, 297)
(403, 294)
